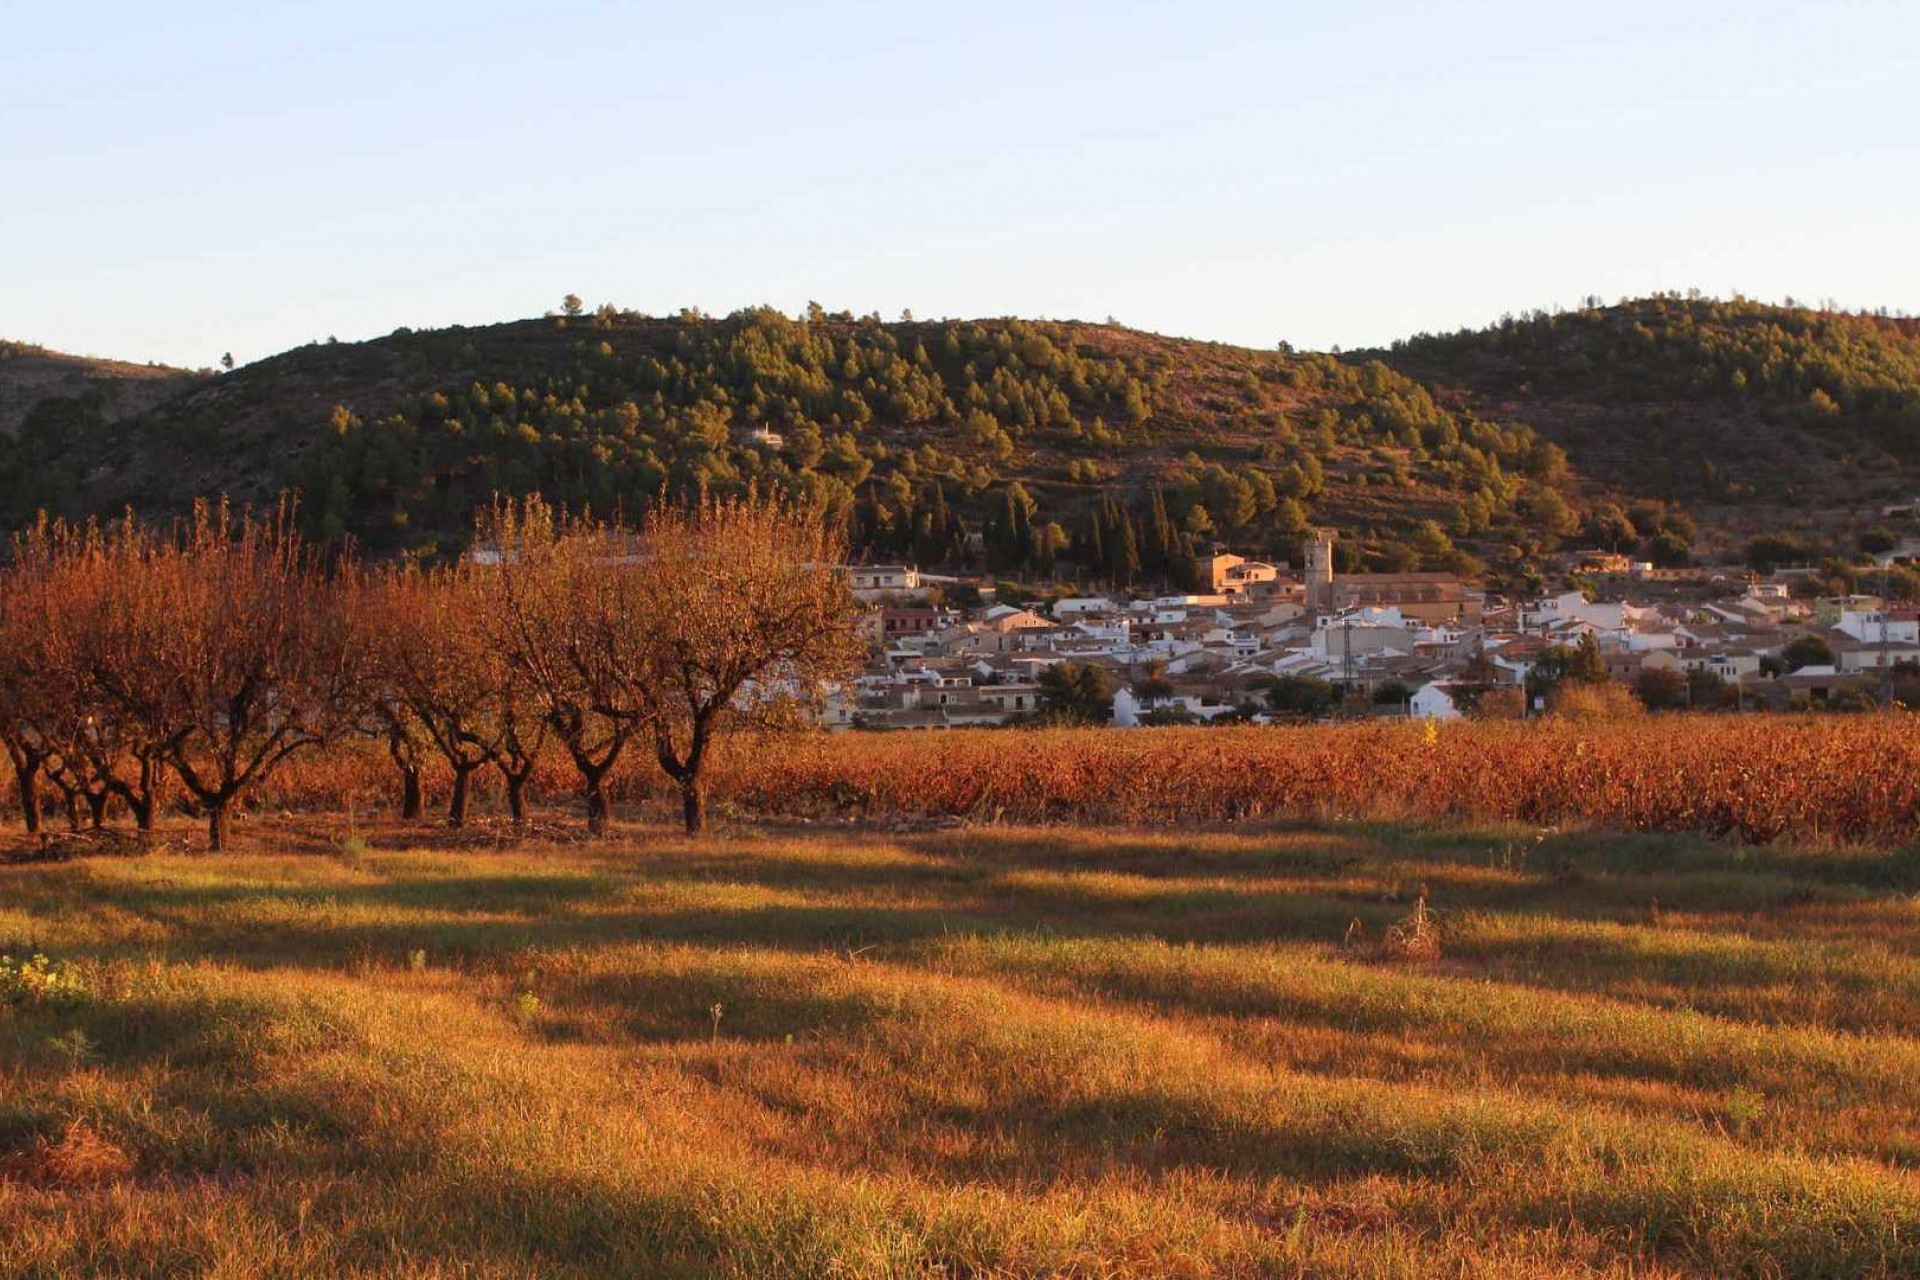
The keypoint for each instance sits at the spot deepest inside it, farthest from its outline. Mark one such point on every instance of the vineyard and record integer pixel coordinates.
(1850, 780)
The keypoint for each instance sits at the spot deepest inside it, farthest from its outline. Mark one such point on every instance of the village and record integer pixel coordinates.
(1269, 644)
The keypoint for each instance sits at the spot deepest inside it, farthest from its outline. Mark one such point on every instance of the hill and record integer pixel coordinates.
(1037, 446)
(53, 405)
(1756, 417)
(1011, 442)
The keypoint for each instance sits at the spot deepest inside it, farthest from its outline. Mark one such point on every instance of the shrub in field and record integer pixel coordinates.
(37, 980)
(1590, 702)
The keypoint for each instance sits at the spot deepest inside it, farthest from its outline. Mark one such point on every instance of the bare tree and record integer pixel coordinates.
(523, 734)
(747, 624)
(565, 615)
(23, 699)
(68, 640)
(253, 648)
(388, 719)
(379, 711)
(433, 653)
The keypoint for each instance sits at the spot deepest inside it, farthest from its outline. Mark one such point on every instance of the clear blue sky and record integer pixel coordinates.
(179, 180)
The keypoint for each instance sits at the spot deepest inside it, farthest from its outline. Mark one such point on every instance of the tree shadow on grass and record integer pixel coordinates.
(1301, 885)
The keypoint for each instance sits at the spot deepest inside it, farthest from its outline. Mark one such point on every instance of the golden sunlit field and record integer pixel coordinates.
(975, 1051)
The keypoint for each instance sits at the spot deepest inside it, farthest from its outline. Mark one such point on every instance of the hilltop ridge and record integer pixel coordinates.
(1664, 426)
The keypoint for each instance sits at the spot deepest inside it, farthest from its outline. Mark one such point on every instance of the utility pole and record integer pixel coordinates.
(1886, 614)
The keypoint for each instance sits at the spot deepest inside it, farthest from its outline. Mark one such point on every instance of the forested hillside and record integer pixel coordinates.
(1119, 451)
(1717, 404)
(53, 406)
(1031, 447)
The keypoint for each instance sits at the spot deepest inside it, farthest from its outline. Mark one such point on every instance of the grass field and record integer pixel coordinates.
(979, 1051)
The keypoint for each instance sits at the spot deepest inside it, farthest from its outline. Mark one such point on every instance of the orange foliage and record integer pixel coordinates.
(1753, 778)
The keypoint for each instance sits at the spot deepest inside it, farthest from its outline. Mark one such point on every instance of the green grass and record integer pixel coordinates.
(990, 1051)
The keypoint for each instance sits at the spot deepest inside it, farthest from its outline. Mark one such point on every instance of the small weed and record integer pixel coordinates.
(1515, 854)
(76, 1047)
(1744, 1110)
(1416, 938)
(351, 849)
(82, 1156)
(35, 979)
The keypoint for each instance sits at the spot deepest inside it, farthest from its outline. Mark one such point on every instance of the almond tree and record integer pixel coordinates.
(433, 655)
(67, 640)
(380, 713)
(387, 718)
(123, 628)
(523, 733)
(24, 697)
(252, 647)
(565, 614)
(747, 621)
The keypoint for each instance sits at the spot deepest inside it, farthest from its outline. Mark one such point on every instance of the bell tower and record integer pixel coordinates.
(1320, 571)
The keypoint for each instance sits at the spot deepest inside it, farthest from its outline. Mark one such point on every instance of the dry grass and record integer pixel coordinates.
(1005, 1051)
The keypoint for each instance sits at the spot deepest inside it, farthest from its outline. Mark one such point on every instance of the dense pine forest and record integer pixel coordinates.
(1033, 448)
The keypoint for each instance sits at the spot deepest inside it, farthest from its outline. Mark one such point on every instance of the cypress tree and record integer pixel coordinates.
(1126, 554)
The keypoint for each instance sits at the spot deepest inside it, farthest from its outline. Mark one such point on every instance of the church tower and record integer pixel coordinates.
(1320, 571)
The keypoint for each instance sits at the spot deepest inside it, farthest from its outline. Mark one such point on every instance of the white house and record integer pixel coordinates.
(872, 581)
(1874, 656)
(1076, 606)
(1433, 701)
(1572, 606)
(1871, 626)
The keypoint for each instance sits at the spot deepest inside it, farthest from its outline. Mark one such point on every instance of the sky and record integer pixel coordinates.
(187, 179)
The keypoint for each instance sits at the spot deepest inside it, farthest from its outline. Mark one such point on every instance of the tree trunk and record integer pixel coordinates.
(457, 802)
(413, 798)
(27, 778)
(219, 825)
(596, 804)
(693, 805)
(686, 772)
(143, 803)
(593, 773)
(517, 797)
(97, 809)
(138, 796)
(73, 812)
